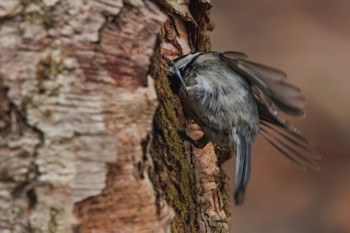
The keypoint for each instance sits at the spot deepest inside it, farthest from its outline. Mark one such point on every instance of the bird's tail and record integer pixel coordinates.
(241, 141)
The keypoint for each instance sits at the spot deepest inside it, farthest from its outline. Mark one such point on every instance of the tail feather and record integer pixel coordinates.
(242, 143)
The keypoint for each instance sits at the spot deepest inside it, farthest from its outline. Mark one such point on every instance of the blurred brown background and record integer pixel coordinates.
(310, 41)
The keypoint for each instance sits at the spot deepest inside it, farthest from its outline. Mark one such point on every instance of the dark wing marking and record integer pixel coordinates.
(270, 84)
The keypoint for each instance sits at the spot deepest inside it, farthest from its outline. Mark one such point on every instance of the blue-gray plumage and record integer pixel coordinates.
(233, 99)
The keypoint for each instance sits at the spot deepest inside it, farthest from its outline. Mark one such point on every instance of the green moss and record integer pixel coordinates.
(175, 173)
(223, 185)
(47, 71)
(207, 44)
(52, 227)
(45, 14)
(48, 81)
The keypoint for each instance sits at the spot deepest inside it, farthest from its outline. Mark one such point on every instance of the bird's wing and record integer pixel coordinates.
(235, 55)
(273, 93)
(268, 84)
(287, 139)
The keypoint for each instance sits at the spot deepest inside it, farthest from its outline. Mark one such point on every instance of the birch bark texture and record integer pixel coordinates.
(88, 119)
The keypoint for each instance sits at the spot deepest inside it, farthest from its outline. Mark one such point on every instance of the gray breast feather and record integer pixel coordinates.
(222, 98)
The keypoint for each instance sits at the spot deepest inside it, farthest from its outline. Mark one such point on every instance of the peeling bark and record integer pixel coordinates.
(77, 105)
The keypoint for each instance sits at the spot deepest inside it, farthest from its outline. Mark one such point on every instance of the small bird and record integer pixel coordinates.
(233, 100)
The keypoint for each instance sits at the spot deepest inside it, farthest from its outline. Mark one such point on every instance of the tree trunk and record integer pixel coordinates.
(85, 146)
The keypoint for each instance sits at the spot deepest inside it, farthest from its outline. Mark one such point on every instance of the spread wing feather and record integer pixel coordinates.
(272, 93)
(270, 82)
(287, 139)
(235, 55)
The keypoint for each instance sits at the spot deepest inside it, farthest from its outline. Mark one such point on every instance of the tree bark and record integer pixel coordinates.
(88, 119)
